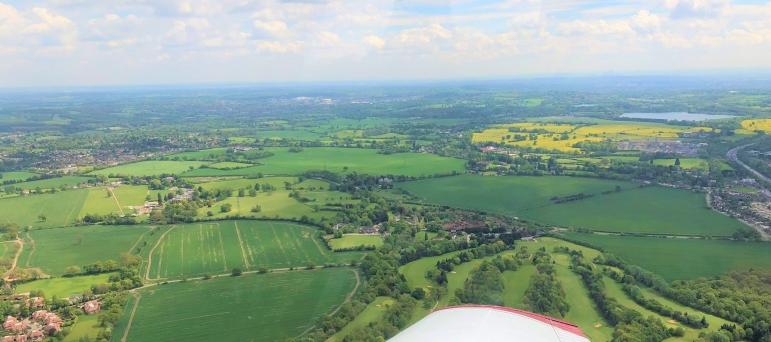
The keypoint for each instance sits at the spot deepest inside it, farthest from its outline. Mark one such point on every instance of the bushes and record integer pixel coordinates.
(545, 294)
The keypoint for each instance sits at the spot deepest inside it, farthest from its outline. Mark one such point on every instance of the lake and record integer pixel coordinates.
(680, 116)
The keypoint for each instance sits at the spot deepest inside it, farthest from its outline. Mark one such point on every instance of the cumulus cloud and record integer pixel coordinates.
(374, 41)
(645, 21)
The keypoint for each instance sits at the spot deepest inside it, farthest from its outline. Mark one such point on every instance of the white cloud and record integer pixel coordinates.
(594, 27)
(274, 28)
(374, 41)
(646, 21)
(278, 47)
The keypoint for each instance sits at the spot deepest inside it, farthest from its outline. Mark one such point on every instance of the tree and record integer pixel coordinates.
(225, 208)
(418, 293)
(345, 168)
(9, 189)
(241, 193)
(209, 213)
(160, 199)
(41, 217)
(237, 272)
(263, 269)
(72, 271)
(110, 265)
(109, 193)
(252, 193)
(256, 209)
(310, 265)
(677, 161)
(79, 240)
(11, 230)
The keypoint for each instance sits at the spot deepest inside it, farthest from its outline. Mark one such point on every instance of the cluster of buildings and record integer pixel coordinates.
(685, 149)
(41, 324)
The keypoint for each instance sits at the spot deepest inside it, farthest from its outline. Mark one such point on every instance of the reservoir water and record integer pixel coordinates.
(680, 116)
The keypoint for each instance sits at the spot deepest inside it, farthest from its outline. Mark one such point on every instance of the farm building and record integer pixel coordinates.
(489, 324)
(91, 307)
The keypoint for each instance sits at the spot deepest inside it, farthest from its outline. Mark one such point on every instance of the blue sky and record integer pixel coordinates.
(99, 42)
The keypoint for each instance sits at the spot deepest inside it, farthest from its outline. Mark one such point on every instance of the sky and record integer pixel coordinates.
(135, 42)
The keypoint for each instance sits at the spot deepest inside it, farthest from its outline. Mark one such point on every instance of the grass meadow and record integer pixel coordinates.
(652, 210)
(675, 259)
(86, 328)
(64, 287)
(363, 161)
(53, 250)
(371, 313)
(218, 247)
(275, 204)
(60, 208)
(254, 307)
(98, 202)
(149, 168)
(351, 240)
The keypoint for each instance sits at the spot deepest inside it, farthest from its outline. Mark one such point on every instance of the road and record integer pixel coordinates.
(732, 156)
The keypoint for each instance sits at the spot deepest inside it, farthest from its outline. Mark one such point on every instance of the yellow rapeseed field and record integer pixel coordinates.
(750, 126)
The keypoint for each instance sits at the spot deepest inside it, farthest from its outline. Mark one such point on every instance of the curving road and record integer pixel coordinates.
(732, 156)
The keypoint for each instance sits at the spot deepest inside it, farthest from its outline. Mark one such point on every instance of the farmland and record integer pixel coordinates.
(336, 159)
(53, 250)
(45, 184)
(98, 202)
(578, 131)
(60, 208)
(276, 203)
(17, 176)
(352, 241)
(267, 307)
(653, 210)
(675, 259)
(217, 247)
(754, 125)
(149, 168)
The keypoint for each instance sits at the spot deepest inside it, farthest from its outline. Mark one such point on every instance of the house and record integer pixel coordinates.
(21, 338)
(52, 318)
(488, 148)
(25, 192)
(19, 327)
(37, 302)
(39, 315)
(91, 307)
(10, 321)
(36, 335)
(7, 339)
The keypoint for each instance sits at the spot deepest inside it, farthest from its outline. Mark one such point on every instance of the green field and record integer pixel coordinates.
(583, 312)
(230, 165)
(134, 196)
(653, 210)
(64, 287)
(294, 135)
(218, 247)
(53, 250)
(8, 249)
(97, 202)
(276, 204)
(149, 168)
(269, 307)
(684, 258)
(16, 176)
(351, 240)
(240, 183)
(60, 208)
(46, 184)
(362, 161)
(517, 283)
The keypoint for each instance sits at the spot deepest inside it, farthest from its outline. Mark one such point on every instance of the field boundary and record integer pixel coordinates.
(150, 255)
(241, 244)
(347, 299)
(137, 297)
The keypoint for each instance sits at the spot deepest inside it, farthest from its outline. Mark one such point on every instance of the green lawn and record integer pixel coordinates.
(517, 283)
(63, 287)
(129, 195)
(362, 161)
(60, 208)
(218, 247)
(583, 312)
(264, 307)
(684, 258)
(276, 204)
(350, 241)
(149, 168)
(86, 327)
(371, 313)
(654, 210)
(56, 249)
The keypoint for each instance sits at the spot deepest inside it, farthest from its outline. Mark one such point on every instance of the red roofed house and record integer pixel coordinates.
(488, 148)
(91, 307)
(20, 327)
(36, 335)
(10, 321)
(52, 318)
(7, 339)
(39, 315)
(21, 338)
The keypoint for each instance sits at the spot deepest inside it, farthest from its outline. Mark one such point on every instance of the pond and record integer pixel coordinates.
(680, 116)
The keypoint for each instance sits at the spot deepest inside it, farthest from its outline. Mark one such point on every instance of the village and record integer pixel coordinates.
(41, 323)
